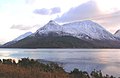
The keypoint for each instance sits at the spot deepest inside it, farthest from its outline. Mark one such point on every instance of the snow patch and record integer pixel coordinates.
(22, 36)
(82, 29)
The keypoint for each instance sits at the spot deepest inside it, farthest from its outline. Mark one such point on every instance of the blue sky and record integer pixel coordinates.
(20, 16)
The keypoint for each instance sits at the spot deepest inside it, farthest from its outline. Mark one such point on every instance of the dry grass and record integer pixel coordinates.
(29, 68)
(12, 71)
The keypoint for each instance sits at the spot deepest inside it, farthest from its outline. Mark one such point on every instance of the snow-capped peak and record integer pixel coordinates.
(117, 33)
(51, 26)
(52, 22)
(23, 36)
(80, 29)
(88, 28)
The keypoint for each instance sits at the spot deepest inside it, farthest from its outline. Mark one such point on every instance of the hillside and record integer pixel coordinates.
(52, 42)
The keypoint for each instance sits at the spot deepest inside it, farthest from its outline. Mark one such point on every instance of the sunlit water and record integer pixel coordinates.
(107, 60)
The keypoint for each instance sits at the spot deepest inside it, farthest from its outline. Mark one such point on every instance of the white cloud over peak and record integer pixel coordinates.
(87, 10)
(45, 11)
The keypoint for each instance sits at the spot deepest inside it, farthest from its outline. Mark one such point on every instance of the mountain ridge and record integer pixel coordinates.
(78, 32)
(22, 36)
(78, 29)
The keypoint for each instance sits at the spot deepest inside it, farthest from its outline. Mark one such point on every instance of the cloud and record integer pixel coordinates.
(42, 11)
(22, 27)
(109, 18)
(91, 11)
(110, 21)
(45, 11)
(83, 11)
(55, 10)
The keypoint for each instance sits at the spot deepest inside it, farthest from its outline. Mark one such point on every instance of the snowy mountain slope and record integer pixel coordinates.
(88, 28)
(17, 39)
(117, 33)
(74, 34)
(51, 26)
(22, 36)
(81, 29)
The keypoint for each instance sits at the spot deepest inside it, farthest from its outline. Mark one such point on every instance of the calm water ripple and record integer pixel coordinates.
(107, 60)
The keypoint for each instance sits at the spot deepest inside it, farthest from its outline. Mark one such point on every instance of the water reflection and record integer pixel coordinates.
(106, 60)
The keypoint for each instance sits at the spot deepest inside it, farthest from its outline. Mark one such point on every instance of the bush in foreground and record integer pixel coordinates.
(30, 68)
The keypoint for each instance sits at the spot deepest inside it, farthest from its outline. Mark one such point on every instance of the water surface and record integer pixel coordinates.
(107, 60)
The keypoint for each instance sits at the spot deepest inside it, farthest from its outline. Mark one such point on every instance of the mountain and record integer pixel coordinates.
(52, 42)
(22, 36)
(81, 29)
(88, 28)
(80, 34)
(117, 33)
(51, 27)
(17, 39)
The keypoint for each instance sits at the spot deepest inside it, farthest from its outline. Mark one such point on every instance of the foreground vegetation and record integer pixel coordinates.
(29, 68)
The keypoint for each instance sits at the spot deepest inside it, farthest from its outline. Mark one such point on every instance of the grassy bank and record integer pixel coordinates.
(30, 68)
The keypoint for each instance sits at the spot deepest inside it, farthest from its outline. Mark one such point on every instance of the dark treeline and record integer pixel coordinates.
(30, 68)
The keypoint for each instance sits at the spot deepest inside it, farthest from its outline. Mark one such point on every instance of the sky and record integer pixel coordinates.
(20, 16)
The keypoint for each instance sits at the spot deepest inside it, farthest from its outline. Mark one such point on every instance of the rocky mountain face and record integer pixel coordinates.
(80, 34)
